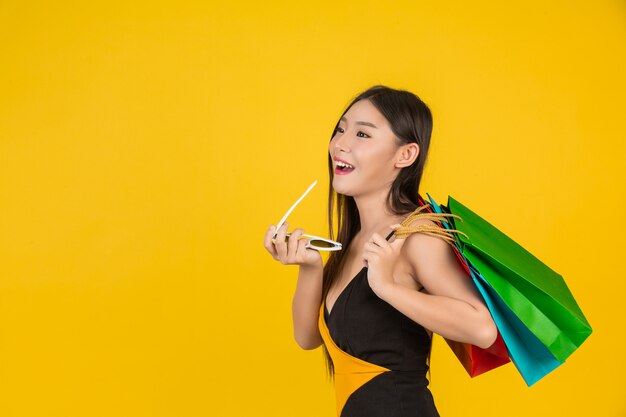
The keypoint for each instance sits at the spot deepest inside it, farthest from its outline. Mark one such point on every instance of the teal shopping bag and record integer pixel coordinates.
(531, 358)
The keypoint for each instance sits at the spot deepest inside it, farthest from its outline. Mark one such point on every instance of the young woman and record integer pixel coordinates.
(374, 305)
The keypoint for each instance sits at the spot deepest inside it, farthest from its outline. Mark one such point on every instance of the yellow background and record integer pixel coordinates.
(145, 149)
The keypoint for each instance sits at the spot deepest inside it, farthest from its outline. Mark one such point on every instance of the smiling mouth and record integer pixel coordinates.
(341, 170)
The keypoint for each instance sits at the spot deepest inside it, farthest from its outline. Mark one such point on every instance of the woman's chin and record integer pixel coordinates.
(341, 189)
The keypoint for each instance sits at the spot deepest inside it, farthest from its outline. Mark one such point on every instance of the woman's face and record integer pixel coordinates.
(364, 140)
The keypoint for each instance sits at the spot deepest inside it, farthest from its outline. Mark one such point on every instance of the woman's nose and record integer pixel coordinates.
(340, 142)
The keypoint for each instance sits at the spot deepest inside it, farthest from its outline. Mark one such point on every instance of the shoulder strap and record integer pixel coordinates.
(425, 212)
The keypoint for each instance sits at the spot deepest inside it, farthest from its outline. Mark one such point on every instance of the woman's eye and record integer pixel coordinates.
(340, 130)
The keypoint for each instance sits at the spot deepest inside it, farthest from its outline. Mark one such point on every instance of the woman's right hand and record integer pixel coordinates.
(292, 252)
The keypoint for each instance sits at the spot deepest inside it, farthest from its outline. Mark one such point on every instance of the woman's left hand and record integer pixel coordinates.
(380, 257)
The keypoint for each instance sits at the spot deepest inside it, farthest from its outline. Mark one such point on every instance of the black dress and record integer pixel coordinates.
(379, 355)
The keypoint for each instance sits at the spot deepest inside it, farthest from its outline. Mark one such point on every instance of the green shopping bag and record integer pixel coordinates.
(536, 294)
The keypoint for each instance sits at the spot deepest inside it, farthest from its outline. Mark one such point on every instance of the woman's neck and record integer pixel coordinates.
(373, 215)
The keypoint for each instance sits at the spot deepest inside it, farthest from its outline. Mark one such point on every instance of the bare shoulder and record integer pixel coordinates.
(435, 266)
(423, 251)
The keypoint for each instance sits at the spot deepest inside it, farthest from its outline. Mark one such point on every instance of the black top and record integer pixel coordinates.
(369, 328)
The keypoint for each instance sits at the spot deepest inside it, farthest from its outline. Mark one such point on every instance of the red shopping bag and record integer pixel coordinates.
(476, 360)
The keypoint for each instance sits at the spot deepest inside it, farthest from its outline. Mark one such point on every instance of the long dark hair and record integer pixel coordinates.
(411, 122)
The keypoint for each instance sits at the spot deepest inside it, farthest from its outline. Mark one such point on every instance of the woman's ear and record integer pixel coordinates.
(408, 154)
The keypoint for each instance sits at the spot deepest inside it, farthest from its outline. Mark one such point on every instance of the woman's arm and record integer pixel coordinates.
(453, 307)
(306, 306)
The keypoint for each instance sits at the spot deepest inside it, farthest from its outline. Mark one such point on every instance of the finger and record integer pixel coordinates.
(370, 256)
(268, 236)
(301, 251)
(292, 245)
(374, 249)
(398, 242)
(371, 247)
(367, 257)
(269, 242)
(380, 241)
(281, 246)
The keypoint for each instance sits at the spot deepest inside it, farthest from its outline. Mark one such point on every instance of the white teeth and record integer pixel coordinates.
(341, 164)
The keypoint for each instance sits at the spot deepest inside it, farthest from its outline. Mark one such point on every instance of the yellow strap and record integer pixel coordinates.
(404, 229)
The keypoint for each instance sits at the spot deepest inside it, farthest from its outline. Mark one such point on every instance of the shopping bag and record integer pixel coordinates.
(535, 310)
(477, 361)
(531, 358)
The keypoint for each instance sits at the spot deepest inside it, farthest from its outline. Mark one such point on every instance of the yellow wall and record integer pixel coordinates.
(146, 148)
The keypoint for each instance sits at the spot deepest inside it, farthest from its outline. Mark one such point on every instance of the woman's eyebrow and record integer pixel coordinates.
(361, 123)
